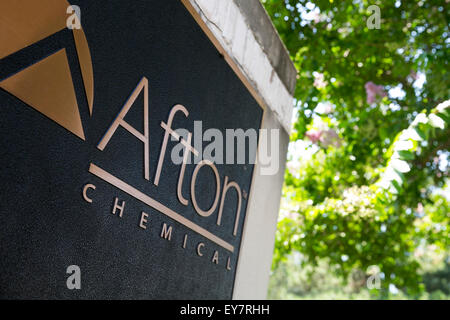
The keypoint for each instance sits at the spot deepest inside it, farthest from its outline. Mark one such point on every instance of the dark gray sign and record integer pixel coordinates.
(92, 203)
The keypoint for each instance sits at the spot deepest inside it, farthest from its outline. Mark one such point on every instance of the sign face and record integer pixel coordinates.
(93, 95)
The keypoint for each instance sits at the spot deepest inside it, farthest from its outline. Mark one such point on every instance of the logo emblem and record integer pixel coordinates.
(27, 27)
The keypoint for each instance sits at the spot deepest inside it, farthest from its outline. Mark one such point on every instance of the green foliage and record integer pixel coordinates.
(371, 186)
(292, 281)
(406, 145)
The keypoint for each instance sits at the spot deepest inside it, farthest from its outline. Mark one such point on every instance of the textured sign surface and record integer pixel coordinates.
(84, 118)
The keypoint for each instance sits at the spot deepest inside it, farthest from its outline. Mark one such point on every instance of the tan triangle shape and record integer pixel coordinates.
(47, 87)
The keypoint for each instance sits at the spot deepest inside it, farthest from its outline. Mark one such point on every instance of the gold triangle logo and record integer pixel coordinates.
(47, 86)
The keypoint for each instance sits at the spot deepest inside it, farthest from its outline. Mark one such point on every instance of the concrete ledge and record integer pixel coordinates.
(247, 35)
(265, 33)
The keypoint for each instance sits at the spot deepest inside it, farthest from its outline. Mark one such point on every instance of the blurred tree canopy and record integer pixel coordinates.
(370, 185)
